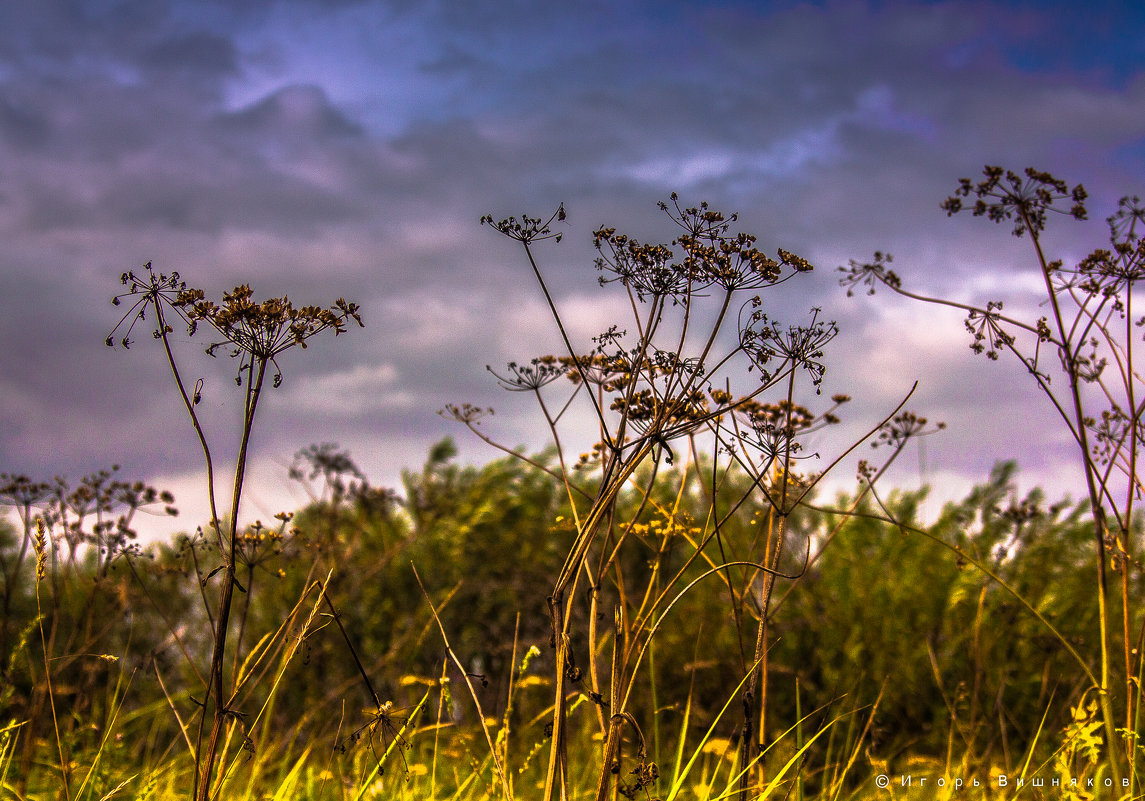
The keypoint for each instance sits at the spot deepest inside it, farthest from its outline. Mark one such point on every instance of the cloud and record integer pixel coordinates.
(356, 392)
(350, 152)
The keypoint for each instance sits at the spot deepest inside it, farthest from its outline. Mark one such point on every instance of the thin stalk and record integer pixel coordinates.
(44, 644)
(256, 371)
(493, 752)
(1095, 500)
(564, 333)
(189, 404)
(350, 645)
(1123, 533)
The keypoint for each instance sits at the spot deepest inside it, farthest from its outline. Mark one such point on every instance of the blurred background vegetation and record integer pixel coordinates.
(885, 614)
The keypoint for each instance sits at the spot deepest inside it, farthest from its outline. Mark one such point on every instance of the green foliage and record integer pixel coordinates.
(483, 540)
(952, 652)
(882, 610)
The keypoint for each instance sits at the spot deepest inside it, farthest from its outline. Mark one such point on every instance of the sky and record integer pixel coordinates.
(349, 148)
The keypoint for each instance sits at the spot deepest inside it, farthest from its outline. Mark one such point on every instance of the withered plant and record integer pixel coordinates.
(1082, 355)
(78, 534)
(701, 362)
(255, 334)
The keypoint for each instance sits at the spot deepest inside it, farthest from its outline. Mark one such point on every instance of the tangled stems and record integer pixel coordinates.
(655, 384)
(1087, 340)
(255, 334)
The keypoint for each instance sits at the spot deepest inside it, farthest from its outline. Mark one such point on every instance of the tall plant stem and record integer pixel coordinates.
(1123, 534)
(757, 683)
(565, 338)
(256, 371)
(189, 404)
(1069, 359)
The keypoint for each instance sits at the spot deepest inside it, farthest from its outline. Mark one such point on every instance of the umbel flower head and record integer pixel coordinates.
(710, 256)
(264, 330)
(255, 331)
(1023, 199)
(528, 229)
(532, 376)
(870, 273)
(155, 291)
(799, 346)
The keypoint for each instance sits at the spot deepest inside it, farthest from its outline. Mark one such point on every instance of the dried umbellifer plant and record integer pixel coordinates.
(255, 334)
(700, 328)
(1082, 355)
(77, 533)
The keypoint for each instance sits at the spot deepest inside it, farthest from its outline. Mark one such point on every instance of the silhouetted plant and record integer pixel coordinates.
(1087, 342)
(655, 384)
(255, 334)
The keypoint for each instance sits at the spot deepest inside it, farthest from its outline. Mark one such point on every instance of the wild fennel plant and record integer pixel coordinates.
(694, 361)
(255, 334)
(1082, 355)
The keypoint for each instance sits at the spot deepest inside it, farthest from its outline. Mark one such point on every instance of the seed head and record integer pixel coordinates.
(1006, 196)
(41, 547)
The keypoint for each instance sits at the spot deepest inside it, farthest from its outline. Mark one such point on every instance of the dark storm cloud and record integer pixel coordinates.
(22, 128)
(322, 149)
(199, 55)
(128, 42)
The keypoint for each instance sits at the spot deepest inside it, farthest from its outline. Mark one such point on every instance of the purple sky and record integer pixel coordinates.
(326, 149)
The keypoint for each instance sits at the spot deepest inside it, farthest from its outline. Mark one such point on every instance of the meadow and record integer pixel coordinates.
(678, 611)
